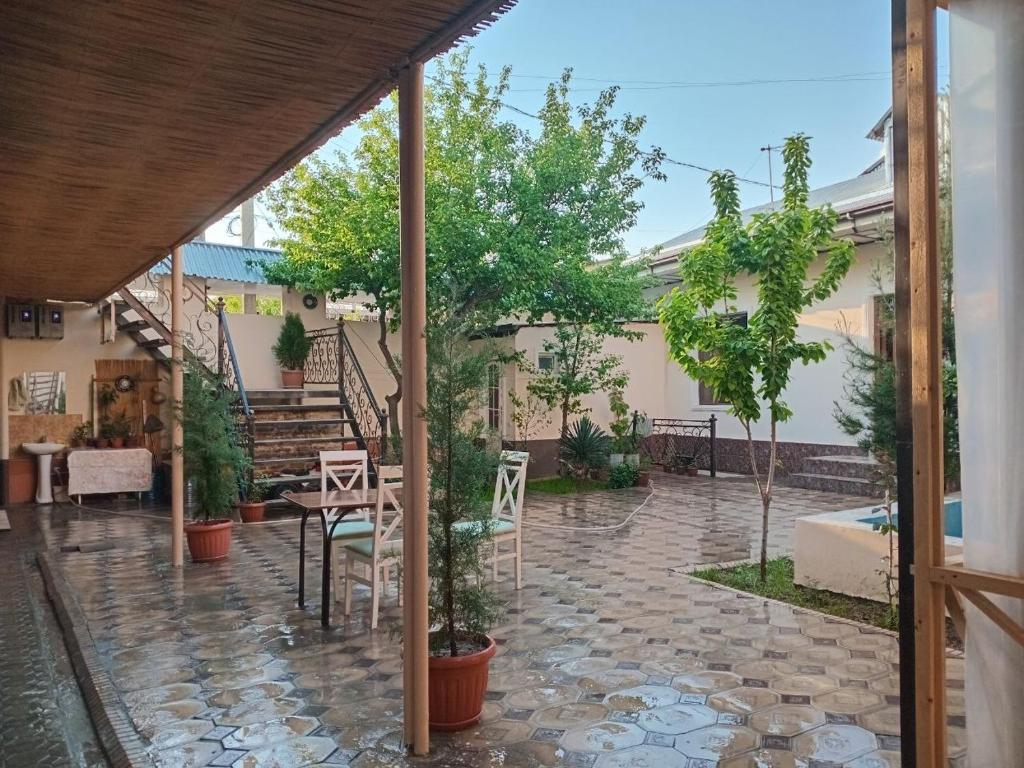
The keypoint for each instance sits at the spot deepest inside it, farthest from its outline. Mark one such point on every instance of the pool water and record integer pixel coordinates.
(954, 518)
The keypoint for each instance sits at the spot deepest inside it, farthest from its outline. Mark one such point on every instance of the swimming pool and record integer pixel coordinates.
(845, 551)
(954, 518)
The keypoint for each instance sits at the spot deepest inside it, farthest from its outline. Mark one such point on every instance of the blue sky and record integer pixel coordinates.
(647, 46)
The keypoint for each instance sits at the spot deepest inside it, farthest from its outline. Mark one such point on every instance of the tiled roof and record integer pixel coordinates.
(222, 262)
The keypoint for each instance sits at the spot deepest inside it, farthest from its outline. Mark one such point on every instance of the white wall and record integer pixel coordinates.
(813, 389)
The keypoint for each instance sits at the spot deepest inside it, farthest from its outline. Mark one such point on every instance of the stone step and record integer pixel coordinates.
(290, 394)
(842, 465)
(852, 486)
(301, 426)
(311, 412)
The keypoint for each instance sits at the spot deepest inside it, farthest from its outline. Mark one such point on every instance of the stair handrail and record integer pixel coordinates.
(363, 381)
(228, 346)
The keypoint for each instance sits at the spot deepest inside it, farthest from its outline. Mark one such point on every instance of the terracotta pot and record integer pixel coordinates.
(691, 471)
(252, 512)
(643, 478)
(117, 442)
(292, 379)
(457, 687)
(208, 542)
(135, 441)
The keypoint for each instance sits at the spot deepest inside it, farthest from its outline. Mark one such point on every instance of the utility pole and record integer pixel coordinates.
(771, 181)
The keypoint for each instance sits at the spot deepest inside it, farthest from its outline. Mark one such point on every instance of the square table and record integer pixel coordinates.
(313, 501)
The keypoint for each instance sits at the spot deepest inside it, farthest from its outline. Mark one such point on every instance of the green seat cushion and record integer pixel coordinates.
(500, 526)
(351, 529)
(364, 547)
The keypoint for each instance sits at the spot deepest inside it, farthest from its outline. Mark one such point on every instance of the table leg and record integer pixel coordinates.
(325, 586)
(302, 559)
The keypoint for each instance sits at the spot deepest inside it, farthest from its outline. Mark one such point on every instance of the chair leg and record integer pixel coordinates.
(335, 573)
(348, 584)
(374, 596)
(519, 562)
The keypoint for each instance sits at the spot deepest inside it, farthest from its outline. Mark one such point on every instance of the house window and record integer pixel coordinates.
(884, 310)
(494, 396)
(704, 394)
(546, 362)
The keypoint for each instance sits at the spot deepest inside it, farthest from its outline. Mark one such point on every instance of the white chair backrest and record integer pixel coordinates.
(344, 471)
(510, 486)
(389, 480)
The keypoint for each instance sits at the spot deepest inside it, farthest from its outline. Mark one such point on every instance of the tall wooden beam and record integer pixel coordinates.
(918, 276)
(414, 398)
(177, 397)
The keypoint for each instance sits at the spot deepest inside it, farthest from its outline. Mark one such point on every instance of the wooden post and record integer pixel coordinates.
(918, 271)
(177, 396)
(414, 396)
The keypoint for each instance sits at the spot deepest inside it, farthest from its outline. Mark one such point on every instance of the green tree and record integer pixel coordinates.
(748, 366)
(462, 606)
(589, 307)
(510, 213)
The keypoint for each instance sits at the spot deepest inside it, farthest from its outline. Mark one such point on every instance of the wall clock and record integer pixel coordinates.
(124, 383)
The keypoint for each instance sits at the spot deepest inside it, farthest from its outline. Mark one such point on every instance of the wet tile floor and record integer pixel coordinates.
(609, 656)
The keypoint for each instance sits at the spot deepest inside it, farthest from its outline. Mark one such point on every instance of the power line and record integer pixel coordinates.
(664, 158)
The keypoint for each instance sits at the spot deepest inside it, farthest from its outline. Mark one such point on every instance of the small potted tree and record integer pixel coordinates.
(253, 505)
(290, 350)
(214, 462)
(120, 431)
(81, 435)
(462, 608)
(620, 428)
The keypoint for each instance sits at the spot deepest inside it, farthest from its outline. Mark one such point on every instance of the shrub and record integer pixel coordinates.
(292, 344)
(623, 476)
(584, 447)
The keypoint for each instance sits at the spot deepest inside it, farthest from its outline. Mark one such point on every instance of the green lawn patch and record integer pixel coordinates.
(565, 485)
(780, 586)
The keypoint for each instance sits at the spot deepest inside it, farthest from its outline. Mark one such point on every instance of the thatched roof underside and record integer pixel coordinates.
(125, 127)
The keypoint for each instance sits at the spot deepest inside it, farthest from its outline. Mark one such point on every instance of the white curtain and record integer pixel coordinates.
(987, 112)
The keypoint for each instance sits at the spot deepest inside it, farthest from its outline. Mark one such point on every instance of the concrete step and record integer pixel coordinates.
(842, 465)
(301, 426)
(278, 412)
(290, 394)
(852, 486)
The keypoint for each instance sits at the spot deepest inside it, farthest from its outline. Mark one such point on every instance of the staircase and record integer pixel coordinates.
(851, 474)
(284, 430)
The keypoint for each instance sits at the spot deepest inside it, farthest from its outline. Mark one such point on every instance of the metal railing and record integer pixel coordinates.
(230, 373)
(682, 442)
(331, 360)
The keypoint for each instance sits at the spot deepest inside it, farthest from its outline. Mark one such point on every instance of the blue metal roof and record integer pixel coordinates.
(219, 261)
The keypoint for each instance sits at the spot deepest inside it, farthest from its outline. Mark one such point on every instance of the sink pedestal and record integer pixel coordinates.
(44, 486)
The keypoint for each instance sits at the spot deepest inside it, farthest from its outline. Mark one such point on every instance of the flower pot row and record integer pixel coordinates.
(133, 441)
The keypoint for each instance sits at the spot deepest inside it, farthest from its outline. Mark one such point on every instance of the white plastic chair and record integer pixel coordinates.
(344, 471)
(507, 511)
(380, 551)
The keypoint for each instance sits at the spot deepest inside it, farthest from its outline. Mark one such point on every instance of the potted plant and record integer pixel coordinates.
(253, 505)
(81, 435)
(290, 350)
(688, 466)
(462, 608)
(643, 475)
(619, 427)
(120, 429)
(623, 476)
(584, 448)
(214, 462)
(106, 433)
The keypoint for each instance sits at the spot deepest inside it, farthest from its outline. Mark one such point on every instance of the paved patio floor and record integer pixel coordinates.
(609, 656)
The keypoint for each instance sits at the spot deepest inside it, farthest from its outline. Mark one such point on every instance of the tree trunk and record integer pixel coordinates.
(766, 502)
(392, 400)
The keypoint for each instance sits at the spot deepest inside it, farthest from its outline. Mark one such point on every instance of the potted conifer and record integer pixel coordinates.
(462, 608)
(253, 505)
(290, 350)
(214, 462)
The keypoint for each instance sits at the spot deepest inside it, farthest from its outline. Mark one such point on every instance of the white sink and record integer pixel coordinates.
(45, 451)
(42, 449)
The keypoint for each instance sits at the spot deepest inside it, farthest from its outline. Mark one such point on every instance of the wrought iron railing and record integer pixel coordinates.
(230, 373)
(681, 442)
(331, 360)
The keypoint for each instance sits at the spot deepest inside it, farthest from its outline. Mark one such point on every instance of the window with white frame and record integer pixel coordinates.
(546, 362)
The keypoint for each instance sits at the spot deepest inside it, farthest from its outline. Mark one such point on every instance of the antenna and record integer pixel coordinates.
(771, 181)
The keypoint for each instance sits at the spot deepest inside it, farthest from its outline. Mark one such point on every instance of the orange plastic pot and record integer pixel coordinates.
(252, 513)
(292, 379)
(208, 542)
(457, 687)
